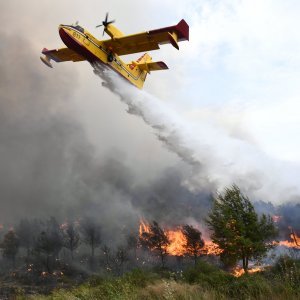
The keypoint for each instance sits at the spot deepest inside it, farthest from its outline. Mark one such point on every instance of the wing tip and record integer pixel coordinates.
(183, 28)
(163, 65)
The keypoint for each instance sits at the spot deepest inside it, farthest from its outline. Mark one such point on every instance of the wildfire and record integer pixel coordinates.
(211, 248)
(239, 271)
(294, 241)
(144, 227)
(178, 241)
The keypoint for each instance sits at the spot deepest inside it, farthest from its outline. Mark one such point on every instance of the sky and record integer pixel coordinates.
(235, 85)
(240, 67)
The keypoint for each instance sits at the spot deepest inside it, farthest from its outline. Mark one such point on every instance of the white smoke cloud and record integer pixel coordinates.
(216, 156)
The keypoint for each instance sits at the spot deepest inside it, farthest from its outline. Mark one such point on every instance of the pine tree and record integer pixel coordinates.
(238, 230)
(194, 242)
(156, 240)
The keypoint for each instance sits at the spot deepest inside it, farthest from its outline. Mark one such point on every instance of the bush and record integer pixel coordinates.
(207, 275)
(287, 271)
(249, 286)
(140, 278)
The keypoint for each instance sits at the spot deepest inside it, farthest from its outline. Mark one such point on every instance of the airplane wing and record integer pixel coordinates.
(149, 40)
(63, 54)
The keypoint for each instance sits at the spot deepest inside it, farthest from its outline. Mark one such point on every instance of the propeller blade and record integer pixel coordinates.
(105, 23)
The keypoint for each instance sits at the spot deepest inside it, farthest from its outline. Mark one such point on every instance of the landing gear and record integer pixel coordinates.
(110, 57)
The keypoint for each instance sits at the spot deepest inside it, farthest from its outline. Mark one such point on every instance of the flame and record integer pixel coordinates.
(211, 248)
(239, 271)
(178, 241)
(144, 227)
(294, 241)
(295, 238)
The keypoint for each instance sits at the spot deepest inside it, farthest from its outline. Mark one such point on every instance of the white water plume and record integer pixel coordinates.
(216, 157)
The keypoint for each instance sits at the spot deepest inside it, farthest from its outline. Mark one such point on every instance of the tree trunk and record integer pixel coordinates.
(245, 264)
(162, 259)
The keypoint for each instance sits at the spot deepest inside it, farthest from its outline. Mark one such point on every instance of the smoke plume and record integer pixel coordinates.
(217, 158)
(49, 167)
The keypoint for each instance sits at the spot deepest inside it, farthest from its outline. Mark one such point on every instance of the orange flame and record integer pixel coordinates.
(211, 248)
(144, 227)
(238, 271)
(178, 241)
(294, 241)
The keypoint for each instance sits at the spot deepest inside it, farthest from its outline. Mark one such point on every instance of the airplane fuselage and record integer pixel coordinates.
(85, 44)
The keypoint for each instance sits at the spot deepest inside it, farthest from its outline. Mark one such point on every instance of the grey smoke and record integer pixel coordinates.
(217, 158)
(49, 168)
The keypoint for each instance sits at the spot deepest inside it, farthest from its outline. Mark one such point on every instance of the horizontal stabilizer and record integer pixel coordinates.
(152, 66)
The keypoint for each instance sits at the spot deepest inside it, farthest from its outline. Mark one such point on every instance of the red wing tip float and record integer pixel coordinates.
(81, 46)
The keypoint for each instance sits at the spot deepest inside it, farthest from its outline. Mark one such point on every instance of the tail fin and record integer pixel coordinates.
(145, 64)
(145, 58)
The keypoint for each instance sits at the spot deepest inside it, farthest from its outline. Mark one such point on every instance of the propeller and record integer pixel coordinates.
(105, 23)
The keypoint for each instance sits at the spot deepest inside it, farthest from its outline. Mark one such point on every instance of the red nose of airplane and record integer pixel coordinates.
(65, 36)
(61, 31)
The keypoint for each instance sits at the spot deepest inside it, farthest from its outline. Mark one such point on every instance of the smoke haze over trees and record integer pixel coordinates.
(50, 167)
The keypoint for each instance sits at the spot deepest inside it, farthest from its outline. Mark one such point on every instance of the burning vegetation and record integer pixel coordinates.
(183, 241)
(43, 252)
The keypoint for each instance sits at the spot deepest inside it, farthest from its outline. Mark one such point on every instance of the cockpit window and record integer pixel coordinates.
(79, 28)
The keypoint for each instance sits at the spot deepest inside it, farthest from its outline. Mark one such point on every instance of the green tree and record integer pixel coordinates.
(194, 241)
(238, 230)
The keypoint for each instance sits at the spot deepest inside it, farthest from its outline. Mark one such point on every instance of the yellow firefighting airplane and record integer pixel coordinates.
(81, 45)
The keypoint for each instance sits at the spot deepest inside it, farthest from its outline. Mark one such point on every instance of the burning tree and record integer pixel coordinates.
(237, 230)
(155, 239)
(194, 242)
